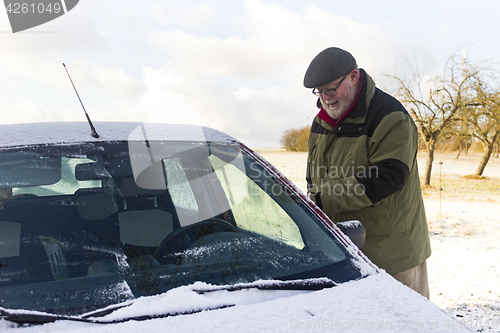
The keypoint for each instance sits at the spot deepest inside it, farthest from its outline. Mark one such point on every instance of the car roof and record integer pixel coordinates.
(74, 132)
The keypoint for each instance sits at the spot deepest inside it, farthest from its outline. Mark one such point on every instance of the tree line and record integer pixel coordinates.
(463, 101)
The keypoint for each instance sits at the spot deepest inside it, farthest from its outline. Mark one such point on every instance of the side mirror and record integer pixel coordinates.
(355, 231)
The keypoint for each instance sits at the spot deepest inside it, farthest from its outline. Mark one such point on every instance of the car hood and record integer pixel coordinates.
(377, 302)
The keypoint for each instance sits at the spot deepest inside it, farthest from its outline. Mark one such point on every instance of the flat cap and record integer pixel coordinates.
(327, 66)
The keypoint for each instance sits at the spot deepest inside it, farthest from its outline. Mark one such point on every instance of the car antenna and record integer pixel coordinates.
(92, 129)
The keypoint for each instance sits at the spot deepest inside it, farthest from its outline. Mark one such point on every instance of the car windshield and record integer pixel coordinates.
(84, 226)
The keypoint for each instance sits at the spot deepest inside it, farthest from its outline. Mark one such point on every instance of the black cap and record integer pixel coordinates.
(327, 66)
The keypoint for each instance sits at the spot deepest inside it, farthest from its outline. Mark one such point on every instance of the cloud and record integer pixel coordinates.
(267, 54)
(29, 112)
(190, 17)
(112, 80)
(7, 81)
(39, 54)
(167, 98)
(272, 38)
(442, 31)
(247, 83)
(260, 116)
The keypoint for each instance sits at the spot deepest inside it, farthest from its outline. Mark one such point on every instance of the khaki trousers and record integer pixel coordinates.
(415, 278)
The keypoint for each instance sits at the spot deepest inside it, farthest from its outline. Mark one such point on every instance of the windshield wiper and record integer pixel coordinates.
(24, 317)
(106, 311)
(306, 284)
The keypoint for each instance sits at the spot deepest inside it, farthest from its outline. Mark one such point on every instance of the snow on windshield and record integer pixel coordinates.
(374, 303)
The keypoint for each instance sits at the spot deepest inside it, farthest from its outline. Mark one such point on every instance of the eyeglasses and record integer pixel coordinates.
(329, 92)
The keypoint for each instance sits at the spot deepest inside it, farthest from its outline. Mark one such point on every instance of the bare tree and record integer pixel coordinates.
(435, 103)
(485, 121)
(463, 134)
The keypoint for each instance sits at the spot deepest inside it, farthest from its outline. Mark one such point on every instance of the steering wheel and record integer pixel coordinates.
(171, 248)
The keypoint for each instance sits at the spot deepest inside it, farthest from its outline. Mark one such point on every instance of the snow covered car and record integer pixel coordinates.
(151, 227)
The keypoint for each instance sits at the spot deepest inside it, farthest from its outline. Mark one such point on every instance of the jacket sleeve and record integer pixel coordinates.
(391, 151)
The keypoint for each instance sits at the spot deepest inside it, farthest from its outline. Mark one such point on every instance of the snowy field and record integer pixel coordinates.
(464, 218)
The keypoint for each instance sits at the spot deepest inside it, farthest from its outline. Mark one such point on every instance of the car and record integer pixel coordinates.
(147, 227)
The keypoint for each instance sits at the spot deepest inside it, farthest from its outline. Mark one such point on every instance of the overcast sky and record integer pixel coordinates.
(236, 66)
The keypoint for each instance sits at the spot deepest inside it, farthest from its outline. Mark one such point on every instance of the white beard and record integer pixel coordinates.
(343, 104)
(333, 112)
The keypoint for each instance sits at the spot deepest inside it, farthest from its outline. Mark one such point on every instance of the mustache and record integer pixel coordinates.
(329, 103)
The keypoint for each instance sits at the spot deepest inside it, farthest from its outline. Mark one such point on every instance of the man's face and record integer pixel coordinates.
(337, 103)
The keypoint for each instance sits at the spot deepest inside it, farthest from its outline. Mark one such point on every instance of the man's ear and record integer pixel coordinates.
(354, 75)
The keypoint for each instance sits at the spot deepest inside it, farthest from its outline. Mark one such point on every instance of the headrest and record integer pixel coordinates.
(145, 227)
(96, 206)
(129, 189)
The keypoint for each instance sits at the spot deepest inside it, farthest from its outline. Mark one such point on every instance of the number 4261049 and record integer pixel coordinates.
(25, 8)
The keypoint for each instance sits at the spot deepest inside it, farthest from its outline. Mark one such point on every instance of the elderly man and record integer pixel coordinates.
(362, 165)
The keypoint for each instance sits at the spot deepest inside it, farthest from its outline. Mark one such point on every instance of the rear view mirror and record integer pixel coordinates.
(87, 171)
(355, 231)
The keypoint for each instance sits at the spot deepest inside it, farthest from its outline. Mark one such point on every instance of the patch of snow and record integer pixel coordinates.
(463, 269)
(375, 303)
(70, 132)
(349, 224)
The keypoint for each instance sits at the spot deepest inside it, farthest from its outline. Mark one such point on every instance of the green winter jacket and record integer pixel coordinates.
(365, 168)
